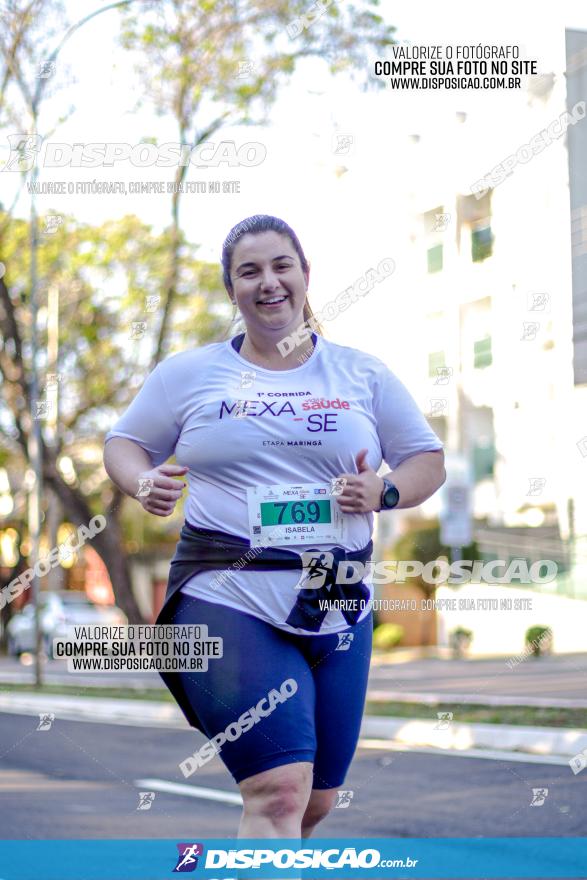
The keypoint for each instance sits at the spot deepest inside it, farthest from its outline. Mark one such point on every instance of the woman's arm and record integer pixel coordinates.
(131, 468)
(124, 460)
(408, 445)
(417, 478)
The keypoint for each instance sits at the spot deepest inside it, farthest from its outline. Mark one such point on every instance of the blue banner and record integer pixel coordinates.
(228, 859)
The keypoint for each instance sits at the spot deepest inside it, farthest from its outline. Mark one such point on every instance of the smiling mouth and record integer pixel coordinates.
(272, 301)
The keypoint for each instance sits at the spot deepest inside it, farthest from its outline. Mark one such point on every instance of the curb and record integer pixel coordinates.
(494, 700)
(563, 742)
(135, 713)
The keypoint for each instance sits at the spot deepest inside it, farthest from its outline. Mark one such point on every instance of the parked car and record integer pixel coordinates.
(59, 610)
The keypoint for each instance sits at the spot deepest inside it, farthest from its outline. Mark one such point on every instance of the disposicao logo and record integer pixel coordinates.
(187, 859)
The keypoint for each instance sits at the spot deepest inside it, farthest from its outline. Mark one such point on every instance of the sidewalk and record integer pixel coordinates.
(545, 741)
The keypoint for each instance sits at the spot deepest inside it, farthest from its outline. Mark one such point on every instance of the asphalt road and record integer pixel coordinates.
(78, 780)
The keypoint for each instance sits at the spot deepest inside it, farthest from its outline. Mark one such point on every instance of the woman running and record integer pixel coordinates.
(280, 443)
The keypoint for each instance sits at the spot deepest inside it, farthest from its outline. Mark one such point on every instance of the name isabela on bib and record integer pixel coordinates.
(307, 513)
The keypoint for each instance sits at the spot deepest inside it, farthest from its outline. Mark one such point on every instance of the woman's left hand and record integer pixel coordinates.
(362, 492)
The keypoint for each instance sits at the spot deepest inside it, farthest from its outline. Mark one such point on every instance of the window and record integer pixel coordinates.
(479, 438)
(482, 353)
(483, 459)
(435, 360)
(434, 225)
(474, 219)
(434, 257)
(481, 243)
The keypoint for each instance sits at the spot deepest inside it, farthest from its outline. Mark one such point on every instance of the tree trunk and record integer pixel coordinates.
(108, 543)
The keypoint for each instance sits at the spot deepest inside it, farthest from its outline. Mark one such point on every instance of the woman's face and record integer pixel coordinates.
(268, 283)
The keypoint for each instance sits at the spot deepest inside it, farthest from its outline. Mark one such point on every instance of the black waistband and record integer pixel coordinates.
(221, 549)
(205, 549)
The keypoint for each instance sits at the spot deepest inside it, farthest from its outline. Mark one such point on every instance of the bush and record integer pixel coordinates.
(387, 635)
(459, 640)
(539, 639)
(461, 634)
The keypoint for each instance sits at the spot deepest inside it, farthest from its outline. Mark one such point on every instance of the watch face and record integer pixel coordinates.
(390, 496)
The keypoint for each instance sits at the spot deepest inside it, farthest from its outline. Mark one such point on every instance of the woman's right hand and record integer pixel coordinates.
(157, 491)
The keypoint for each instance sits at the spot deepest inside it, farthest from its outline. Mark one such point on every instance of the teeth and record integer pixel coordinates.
(274, 300)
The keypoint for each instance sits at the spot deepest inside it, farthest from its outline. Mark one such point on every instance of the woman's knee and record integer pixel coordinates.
(319, 806)
(280, 792)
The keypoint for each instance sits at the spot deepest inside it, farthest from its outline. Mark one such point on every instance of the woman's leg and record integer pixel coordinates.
(270, 729)
(275, 801)
(319, 805)
(340, 668)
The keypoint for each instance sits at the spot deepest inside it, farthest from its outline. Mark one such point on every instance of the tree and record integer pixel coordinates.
(192, 52)
(105, 276)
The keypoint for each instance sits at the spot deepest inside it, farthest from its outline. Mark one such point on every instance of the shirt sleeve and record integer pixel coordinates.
(149, 420)
(401, 427)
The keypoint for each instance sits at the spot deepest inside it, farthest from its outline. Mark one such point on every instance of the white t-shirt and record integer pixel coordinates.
(304, 425)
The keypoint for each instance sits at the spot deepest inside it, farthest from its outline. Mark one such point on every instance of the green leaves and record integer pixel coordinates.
(112, 292)
(192, 51)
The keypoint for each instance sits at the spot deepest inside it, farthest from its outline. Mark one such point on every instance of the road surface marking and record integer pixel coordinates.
(491, 754)
(208, 794)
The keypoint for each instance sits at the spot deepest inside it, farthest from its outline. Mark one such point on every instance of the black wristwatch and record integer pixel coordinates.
(389, 495)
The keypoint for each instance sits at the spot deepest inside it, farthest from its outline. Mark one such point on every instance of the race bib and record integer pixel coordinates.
(304, 514)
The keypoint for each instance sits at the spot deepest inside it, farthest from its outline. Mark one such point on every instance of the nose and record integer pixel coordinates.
(269, 281)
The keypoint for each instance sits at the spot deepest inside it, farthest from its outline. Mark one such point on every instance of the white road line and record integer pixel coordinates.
(208, 794)
(492, 755)
(226, 797)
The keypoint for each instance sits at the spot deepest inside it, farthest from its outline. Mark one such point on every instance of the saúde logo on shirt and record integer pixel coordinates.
(317, 421)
